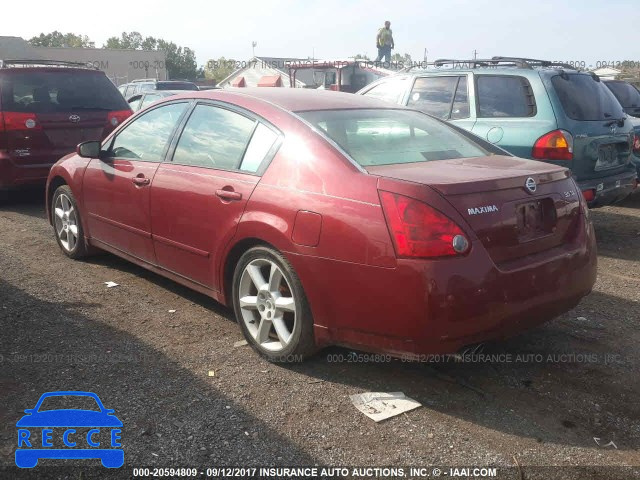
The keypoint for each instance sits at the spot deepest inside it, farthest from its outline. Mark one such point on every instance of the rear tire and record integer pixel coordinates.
(271, 307)
(67, 225)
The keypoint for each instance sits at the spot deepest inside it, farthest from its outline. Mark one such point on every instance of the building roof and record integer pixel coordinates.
(14, 48)
(257, 67)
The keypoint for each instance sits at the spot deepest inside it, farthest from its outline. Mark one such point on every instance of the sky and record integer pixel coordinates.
(584, 31)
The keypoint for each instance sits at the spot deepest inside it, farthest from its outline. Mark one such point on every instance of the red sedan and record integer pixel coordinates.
(328, 218)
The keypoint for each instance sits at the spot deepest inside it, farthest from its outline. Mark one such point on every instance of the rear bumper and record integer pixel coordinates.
(612, 189)
(12, 175)
(440, 306)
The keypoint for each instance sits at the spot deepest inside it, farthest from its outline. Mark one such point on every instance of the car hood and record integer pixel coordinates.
(69, 418)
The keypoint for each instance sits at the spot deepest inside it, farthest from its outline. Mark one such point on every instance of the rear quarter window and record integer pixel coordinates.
(504, 96)
(584, 98)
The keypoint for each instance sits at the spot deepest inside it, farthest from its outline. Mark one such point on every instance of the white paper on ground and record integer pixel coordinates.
(111, 284)
(381, 405)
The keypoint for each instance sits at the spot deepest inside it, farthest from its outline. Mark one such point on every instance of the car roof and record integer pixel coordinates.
(294, 99)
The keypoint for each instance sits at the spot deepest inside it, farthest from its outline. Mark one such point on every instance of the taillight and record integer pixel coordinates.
(589, 194)
(19, 121)
(419, 230)
(335, 87)
(556, 145)
(636, 144)
(117, 117)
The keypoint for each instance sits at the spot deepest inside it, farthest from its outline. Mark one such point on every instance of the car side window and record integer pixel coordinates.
(461, 101)
(391, 90)
(147, 136)
(433, 95)
(504, 96)
(214, 137)
(148, 99)
(261, 143)
(134, 102)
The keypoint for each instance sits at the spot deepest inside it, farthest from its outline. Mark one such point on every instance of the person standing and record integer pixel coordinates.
(384, 42)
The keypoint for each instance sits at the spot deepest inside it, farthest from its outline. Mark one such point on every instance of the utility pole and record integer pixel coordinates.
(475, 54)
(425, 55)
(254, 44)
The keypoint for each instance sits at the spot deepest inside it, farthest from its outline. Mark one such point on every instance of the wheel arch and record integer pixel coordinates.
(52, 186)
(231, 260)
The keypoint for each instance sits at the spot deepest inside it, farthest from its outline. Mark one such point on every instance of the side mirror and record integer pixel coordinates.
(89, 149)
(29, 410)
(109, 411)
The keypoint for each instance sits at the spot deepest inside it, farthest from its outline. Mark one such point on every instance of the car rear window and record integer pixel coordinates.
(584, 98)
(387, 137)
(65, 91)
(627, 94)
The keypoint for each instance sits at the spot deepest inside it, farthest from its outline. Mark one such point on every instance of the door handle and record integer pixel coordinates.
(228, 194)
(141, 180)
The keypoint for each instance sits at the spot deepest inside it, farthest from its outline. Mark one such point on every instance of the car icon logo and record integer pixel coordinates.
(69, 433)
(74, 118)
(530, 183)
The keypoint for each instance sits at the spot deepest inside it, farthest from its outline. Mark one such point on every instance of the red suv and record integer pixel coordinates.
(46, 109)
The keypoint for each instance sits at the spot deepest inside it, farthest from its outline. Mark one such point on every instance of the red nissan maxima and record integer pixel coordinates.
(328, 218)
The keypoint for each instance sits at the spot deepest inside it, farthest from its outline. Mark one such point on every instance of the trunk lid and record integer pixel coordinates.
(58, 134)
(491, 195)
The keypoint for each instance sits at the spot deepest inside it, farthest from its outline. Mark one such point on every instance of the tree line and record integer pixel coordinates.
(180, 61)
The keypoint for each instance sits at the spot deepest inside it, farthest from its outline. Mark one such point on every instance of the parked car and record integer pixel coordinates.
(532, 108)
(331, 218)
(144, 99)
(629, 97)
(46, 109)
(627, 94)
(136, 87)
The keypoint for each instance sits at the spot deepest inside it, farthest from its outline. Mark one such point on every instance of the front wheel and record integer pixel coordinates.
(67, 224)
(271, 307)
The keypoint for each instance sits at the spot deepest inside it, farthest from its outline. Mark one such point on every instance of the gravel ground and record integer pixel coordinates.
(188, 397)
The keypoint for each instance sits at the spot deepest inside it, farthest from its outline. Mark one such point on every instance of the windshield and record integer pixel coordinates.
(627, 94)
(584, 98)
(41, 92)
(387, 137)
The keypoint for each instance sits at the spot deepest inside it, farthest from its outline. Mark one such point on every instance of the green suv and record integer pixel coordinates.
(533, 109)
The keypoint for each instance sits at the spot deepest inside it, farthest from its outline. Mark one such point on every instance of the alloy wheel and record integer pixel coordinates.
(267, 305)
(66, 222)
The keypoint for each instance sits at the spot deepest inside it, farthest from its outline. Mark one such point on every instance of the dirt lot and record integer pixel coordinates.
(576, 378)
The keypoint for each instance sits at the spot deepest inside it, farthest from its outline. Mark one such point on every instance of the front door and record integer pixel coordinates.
(116, 187)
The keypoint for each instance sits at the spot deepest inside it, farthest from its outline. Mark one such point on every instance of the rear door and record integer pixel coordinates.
(591, 113)
(116, 187)
(512, 112)
(199, 195)
(47, 112)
